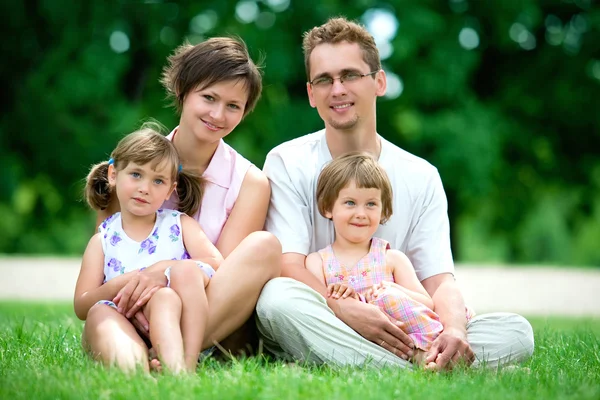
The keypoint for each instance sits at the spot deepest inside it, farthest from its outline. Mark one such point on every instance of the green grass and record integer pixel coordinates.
(41, 357)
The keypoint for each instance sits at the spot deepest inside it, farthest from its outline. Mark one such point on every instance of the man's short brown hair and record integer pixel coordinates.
(338, 30)
(213, 61)
(360, 168)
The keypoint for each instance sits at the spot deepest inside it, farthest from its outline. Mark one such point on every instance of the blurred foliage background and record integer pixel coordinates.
(501, 96)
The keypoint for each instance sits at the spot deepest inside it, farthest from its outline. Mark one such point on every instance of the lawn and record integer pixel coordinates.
(40, 357)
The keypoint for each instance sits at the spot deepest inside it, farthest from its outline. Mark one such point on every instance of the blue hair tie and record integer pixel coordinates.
(179, 169)
(111, 161)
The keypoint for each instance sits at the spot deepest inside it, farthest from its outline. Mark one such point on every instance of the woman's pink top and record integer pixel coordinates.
(224, 176)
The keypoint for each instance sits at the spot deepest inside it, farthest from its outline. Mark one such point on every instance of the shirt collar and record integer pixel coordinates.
(219, 168)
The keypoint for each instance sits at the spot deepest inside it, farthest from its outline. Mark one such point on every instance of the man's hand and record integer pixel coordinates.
(374, 325)
(448, 349)
(340, 290)
(138, 291)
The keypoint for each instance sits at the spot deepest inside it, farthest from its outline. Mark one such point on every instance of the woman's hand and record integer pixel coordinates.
(140, 288)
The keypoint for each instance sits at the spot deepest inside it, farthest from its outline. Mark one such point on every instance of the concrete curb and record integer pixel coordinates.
(531, 291)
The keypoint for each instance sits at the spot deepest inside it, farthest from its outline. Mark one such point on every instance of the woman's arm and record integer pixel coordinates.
(406, 278)
(249, 212)
(197, 244)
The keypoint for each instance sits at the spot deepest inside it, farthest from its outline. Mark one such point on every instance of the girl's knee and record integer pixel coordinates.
(165, 296)
(99, 312)
(186, 273)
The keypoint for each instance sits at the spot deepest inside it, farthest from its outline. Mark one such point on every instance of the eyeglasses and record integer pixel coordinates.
(327, 81)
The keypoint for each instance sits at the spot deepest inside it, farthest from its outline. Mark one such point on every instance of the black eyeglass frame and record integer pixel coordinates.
(328, 80)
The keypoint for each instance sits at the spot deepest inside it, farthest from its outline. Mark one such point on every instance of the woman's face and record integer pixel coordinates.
(212, 113)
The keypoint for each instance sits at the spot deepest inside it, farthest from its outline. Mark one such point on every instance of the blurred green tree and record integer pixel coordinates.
(499, 96)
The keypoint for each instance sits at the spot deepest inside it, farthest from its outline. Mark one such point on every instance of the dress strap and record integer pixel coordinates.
(379, 247)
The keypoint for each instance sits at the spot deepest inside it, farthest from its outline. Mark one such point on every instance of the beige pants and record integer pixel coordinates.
(295, 323)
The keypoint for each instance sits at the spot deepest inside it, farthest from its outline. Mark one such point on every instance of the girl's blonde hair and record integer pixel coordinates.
(360, 168)
(143, 146)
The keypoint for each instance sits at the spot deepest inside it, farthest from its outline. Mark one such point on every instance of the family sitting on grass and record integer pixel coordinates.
(341, 244)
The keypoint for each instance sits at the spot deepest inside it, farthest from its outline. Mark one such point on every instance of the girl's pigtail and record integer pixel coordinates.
(97, 190)
(190, 188)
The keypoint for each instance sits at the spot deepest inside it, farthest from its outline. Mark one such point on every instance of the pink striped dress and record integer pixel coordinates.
(423, 324)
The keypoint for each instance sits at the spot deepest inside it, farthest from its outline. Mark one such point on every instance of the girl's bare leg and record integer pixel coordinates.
(234, 289)
(163, 312)
(189, 281)
(109, 337)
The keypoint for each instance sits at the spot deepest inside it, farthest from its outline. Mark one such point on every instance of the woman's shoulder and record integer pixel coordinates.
(244, 172)
(253, 185)
(256, 177)
(231, 156)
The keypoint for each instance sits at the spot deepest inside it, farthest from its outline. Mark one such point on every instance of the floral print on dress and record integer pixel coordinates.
(114, 264)
(175, 232)
(133, 255)
(352, 280)
(115, 239)
(149, 244)
(107, 303)
(107, 220)
(362, 275)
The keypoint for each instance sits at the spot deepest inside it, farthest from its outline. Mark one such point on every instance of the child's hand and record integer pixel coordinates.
(378, 288)
(337, 290)
(369, 295)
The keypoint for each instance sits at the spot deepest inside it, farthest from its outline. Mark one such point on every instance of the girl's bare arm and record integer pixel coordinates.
(406, 278)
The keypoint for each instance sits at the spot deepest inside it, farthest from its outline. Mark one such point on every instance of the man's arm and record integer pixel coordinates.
(452, 344)
(293, 266)
(429, 250)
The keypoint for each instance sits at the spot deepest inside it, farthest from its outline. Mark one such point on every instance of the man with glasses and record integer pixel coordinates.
(295, 317)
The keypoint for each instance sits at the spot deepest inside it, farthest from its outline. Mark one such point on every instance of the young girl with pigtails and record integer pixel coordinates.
(142, 173)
